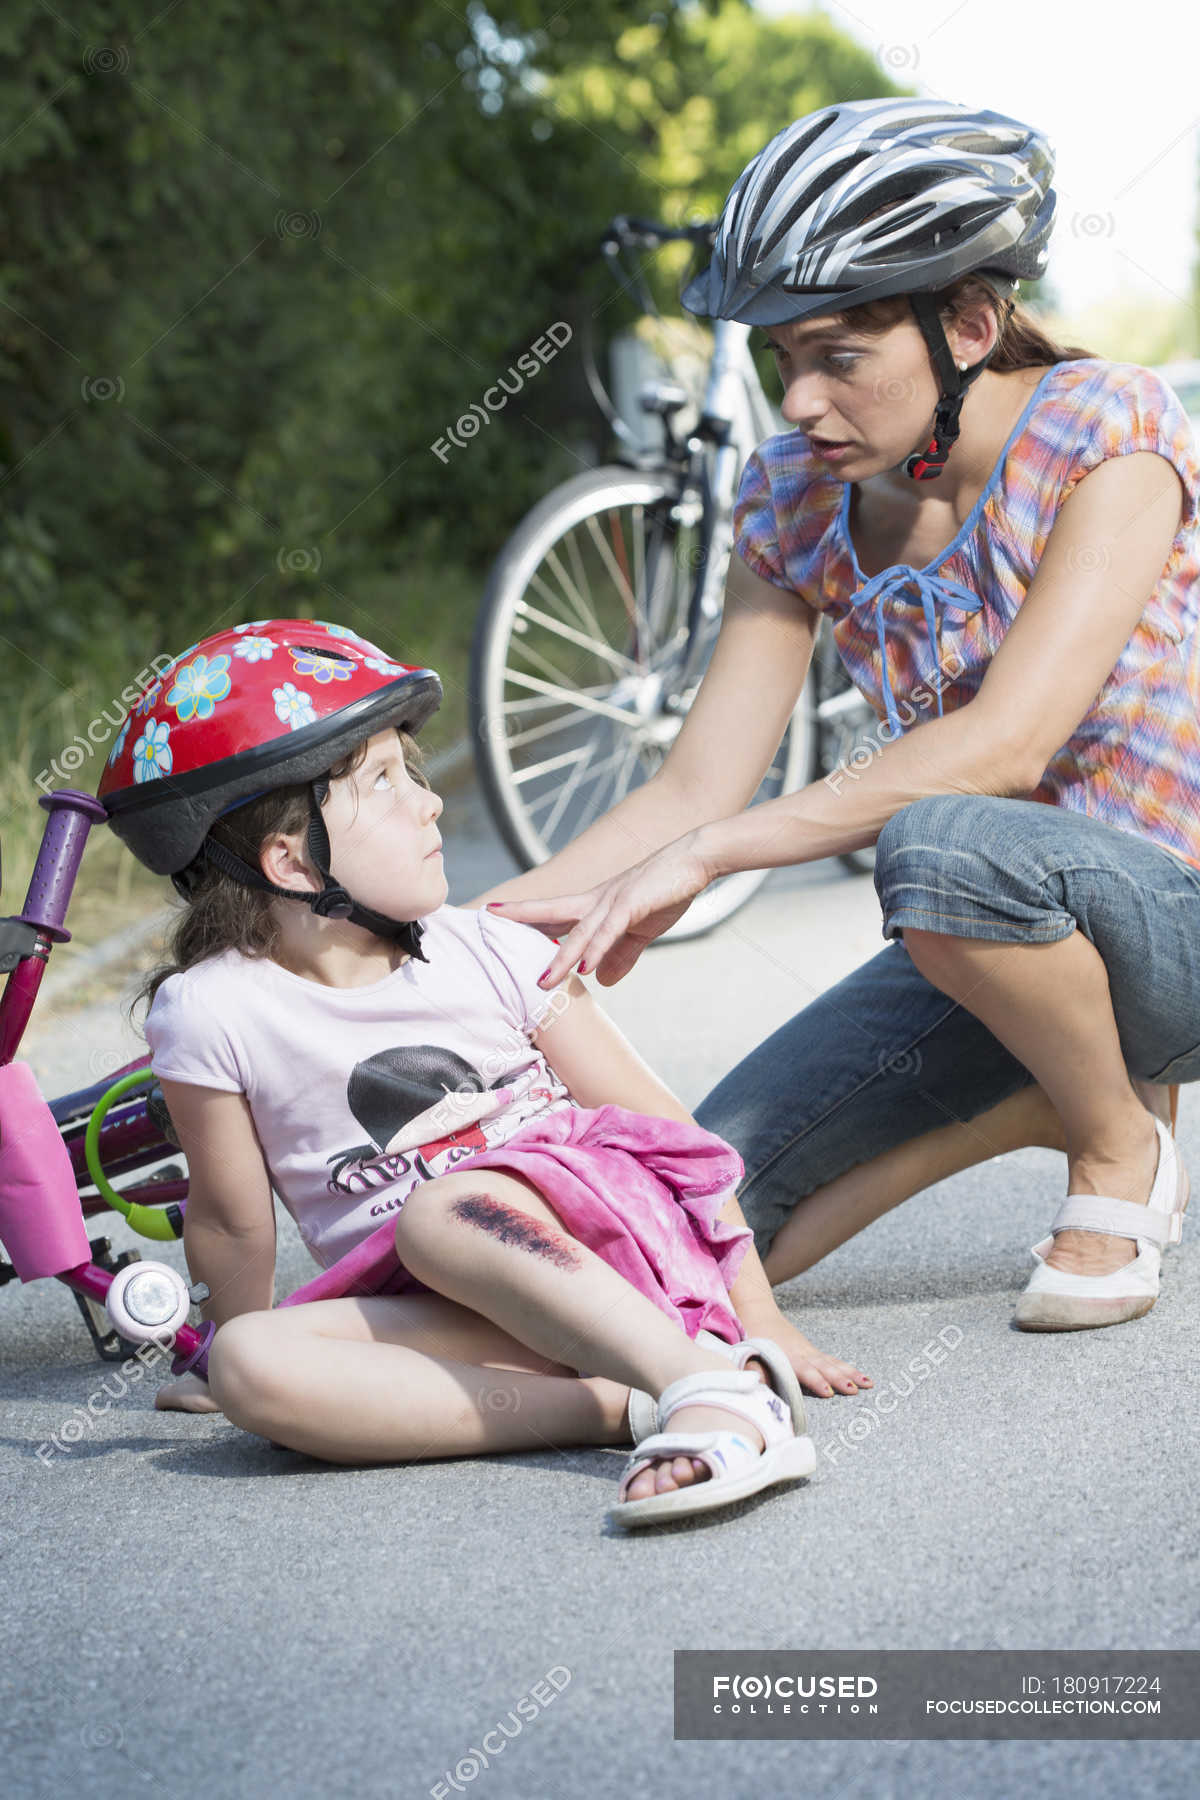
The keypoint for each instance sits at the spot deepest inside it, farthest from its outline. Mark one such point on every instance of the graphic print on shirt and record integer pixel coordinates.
(424, 1109)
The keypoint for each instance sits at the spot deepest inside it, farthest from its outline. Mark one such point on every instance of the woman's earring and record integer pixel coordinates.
(962, 365)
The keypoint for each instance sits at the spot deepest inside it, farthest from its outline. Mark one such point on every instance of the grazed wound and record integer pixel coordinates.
(508, 1225)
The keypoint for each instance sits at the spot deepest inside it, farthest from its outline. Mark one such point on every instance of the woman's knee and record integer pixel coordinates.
(972, 865)
(935, 825)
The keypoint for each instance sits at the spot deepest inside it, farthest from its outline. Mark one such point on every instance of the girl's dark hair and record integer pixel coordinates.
(1021, 342)
(222, 914)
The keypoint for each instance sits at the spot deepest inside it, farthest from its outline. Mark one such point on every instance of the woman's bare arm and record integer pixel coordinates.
(724, 748)
(1102, 562)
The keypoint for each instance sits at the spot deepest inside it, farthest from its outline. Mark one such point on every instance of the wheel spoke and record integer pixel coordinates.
(570, 696)
(595, 774)
(565, 793)
(619, 575)
(620, 784)
(572, 591)
(603, 650)
(537, 732)
(580, 753)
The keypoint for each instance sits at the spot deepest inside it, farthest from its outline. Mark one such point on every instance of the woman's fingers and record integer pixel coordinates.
(553, 916)
(574, 949)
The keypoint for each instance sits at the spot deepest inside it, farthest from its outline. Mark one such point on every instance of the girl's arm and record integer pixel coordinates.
(1102, 562)
(229, 1224)
(600, 1067)
(724, 748)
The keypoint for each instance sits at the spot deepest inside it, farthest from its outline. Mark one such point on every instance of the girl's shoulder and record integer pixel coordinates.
(206, 983)
(486, 938)
(509, 954)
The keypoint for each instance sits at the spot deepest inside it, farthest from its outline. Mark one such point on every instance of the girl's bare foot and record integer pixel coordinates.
(681, 1471)
(187, 1394)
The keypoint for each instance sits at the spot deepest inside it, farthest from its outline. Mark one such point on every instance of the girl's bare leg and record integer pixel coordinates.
(490, 1243)
(841, 1208)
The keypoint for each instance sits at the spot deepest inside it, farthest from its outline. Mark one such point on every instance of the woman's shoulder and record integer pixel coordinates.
(1091, 409)
(786, 515)
(788, 459)
(1077, 395)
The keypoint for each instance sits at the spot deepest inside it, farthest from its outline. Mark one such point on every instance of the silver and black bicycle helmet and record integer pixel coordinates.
(871, 198)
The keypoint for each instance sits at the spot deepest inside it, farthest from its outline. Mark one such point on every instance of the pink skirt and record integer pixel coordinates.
(642, 1193)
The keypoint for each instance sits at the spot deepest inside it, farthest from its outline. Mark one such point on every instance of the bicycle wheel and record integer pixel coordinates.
(847, 730)
(583, 628)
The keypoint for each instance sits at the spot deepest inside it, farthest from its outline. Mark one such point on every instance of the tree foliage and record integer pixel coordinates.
(256, 260)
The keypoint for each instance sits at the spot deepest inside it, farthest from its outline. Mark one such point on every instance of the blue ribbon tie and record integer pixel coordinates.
(930, 588)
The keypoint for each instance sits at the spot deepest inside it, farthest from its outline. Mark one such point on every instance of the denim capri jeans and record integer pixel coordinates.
(884, 1056)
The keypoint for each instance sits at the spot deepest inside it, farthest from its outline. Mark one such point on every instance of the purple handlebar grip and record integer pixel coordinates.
(197, 1362)
(72, 815)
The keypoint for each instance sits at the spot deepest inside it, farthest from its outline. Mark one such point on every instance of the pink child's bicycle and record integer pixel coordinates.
(59, 1158)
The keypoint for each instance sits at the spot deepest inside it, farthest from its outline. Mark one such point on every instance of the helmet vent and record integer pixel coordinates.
(323, 651)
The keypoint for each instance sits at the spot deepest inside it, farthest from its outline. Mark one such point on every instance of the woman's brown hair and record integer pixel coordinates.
(222, 914)
(1021, 343)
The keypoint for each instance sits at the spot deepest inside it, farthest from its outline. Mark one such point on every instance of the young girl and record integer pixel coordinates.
(515, 1253)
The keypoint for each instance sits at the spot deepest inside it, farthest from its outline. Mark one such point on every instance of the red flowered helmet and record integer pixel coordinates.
(255, 707)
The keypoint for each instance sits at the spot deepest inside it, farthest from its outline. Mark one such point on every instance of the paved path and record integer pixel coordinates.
(191, 1612)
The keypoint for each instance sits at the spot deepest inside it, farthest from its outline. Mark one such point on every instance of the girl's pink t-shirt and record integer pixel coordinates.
(358, 1094)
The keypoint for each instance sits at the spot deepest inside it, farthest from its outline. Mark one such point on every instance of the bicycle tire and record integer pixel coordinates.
(642, 534)
(841, 732)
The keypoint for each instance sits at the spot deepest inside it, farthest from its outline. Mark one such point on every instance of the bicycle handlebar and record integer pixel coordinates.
(624, 233)
(72, 815)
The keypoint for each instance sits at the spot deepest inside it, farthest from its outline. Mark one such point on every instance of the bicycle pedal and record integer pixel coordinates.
(110, 1345)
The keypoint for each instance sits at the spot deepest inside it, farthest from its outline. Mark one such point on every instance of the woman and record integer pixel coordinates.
(1004, 535)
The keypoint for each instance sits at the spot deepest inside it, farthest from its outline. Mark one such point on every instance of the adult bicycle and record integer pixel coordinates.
(602, 611)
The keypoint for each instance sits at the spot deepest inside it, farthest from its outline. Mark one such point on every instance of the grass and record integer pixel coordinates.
(427, 616)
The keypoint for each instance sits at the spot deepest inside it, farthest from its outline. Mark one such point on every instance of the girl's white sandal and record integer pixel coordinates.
(643, 1408)
(1057, 1300)
(736, 1468)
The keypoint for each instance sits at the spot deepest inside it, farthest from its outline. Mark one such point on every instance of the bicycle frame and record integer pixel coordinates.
(43, 1168)
(734, 419)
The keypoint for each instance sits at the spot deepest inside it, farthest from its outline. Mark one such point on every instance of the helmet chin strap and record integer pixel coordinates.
(927, 464)
(332, 902)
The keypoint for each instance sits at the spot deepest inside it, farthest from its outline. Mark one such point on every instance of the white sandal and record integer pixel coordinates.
(643, 1408)
(1058, 1300)
(736, 1468)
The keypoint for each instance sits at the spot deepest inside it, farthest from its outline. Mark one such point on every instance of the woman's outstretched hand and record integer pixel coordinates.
(607, 928)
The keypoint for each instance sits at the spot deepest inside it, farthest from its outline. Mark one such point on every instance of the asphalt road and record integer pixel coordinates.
(189, 1611)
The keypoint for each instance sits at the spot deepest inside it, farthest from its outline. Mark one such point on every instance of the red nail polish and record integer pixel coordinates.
(492, 904)
(542, 976)
(583, 968)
